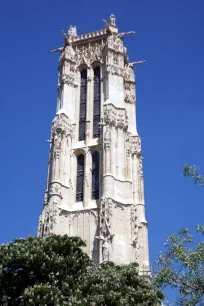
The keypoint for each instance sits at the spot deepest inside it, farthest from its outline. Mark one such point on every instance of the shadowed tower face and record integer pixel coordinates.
(95, 179)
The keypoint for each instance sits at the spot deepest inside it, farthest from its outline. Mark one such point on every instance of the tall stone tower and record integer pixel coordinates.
(95, 179)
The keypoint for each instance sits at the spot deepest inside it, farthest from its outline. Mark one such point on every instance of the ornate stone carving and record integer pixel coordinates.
(105, 250)
(135, 229)
(115, 116)
(68, 53)
(55, 188)
(45, 198)
(135, 145)
(115, 43)
(57, 144)
(40, 226)
(89, 53)
(86, 181)
(129, 75)
(67, 67)
(110, 115)
(114, 70)
(105, 216)
(127, 140)
(50, 214)
(87, 131)
(140, 170)
(105, 227)
(129, 92)
(72, 31)
(114, 63)
(70, 184)
(62, 125)
(107, 137)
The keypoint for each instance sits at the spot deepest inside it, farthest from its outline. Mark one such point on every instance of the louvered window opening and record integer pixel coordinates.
(95, 175)
(82, 110)
(80, 178)
(96, 102)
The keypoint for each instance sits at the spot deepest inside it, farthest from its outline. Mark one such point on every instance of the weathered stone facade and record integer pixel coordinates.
(113, 223)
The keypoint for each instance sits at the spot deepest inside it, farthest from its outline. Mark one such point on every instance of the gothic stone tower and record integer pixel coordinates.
(95, 178)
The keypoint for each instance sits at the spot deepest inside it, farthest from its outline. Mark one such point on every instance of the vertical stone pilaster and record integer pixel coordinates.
(113, 150)
(89, 113)
(129, 165)
(135, 179)
(107, 151)
(87, 179)
(120, 154)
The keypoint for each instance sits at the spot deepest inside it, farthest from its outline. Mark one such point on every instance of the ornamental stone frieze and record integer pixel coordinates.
(89, 53)
(62, 125)
(115, 116)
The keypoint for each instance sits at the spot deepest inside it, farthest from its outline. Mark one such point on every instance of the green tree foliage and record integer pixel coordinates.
(55, 271)
(181, 265)
(192, 172)
(55, 261)
(115, 285)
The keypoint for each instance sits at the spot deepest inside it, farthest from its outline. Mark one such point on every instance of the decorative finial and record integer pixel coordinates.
(72, 31)
(112, 20)
(111, 27)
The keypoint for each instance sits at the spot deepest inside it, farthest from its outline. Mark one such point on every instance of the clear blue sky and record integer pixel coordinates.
(170, 103)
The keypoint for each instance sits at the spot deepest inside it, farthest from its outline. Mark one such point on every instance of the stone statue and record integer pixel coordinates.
(105, 250)
(72, 31)
(105, 247)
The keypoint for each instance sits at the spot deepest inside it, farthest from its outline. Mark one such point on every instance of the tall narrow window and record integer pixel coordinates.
(96, 102)
(82, 110)
(80, 178)
(95, 175)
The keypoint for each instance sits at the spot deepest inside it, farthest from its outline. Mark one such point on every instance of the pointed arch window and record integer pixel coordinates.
(96, 102)
(80, 178)
(82, 109)
(95, 175)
